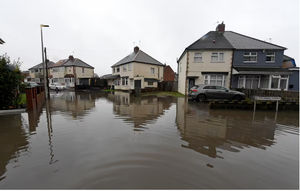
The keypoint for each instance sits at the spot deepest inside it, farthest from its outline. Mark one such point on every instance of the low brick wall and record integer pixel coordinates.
(285, 95)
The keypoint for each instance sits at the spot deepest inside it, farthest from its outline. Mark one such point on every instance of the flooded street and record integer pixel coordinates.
(96, 140)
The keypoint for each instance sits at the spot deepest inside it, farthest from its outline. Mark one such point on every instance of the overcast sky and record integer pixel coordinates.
(103, 32)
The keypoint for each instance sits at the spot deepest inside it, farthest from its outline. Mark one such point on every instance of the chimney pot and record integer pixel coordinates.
(136, 49)
(221, 27)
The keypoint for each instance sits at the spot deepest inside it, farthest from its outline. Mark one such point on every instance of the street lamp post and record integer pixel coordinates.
(44, 63)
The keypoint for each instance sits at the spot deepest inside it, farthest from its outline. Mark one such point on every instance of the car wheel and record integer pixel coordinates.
(201, 97)
(237, 97)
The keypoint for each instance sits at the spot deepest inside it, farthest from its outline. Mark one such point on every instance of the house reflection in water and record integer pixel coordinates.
(139, 111)
(13, 140)
(72, 104)
(210, 131)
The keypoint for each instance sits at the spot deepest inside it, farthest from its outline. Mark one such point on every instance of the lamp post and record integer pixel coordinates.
(44, 63)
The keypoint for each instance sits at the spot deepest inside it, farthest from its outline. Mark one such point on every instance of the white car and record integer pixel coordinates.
(32, 84)
(58, 86)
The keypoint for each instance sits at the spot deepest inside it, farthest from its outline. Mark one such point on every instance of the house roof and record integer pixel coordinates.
(211, 40)
(140, 56)
(71, 62)
(230, 40)
(109, 76)
(239, 41)
(38, 66)
(287, 58)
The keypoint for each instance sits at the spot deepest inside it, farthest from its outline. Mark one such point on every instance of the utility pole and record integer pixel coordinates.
(44, 63)
(47, 78)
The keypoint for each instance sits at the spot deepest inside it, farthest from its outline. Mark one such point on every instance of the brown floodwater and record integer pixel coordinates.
(97, 140)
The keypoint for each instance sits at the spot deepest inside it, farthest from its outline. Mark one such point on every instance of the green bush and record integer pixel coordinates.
(10, 80)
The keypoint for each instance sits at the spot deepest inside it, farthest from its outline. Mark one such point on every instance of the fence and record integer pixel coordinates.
(168, 86)
(35, 97)
(285, 95)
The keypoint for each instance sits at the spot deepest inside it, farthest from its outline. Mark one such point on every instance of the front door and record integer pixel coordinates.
(137, 84)
(191, 83)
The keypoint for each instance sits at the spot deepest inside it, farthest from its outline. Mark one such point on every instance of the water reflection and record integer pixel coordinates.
(13, 140)
(138, 111)
(209, 131)
(72, 104)
(191, 145)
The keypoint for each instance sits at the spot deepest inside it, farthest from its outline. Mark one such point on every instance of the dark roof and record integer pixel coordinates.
(239, 41)
(215, 40)
(38, 66)
(1, 41)
(71, 62)
(287, 58)
(140, 56)
(212, 40)
(109, 76)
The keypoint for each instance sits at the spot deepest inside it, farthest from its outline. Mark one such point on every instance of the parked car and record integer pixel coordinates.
(204, 92)
(58, 86)
(32, 84)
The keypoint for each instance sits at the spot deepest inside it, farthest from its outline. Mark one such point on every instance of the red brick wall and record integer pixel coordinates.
(169, 74)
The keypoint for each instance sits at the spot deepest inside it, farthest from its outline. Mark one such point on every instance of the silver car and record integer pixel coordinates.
(203, 92)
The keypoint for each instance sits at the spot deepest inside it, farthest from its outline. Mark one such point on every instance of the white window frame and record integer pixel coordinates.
(245, 77)
(208, 79)
(217, 55)
(198, 57)
(250, 55)
(279, 77)
(152, 70)
(272, 55)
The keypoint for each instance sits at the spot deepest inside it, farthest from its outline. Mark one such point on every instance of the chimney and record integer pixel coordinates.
(221, 27)
(136, 49)
(71, 58)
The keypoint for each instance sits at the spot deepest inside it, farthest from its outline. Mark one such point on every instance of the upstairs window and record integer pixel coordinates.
(114, 70)
(217, 57)
(82, 70)
(198, 57)
(118, 69)
(250, 57)
(125, 68)
(130, 67)
(152, 70)
(270, 57)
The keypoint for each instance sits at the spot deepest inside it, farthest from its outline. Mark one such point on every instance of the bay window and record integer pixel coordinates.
(214, 79)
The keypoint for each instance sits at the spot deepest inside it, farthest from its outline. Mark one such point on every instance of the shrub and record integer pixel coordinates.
(10, 80)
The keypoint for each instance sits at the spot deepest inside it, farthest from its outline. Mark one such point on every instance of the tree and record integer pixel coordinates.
(10, 80)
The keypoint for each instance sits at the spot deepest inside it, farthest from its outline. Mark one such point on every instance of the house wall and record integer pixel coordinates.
(57, 72)
(139, 71)
(182, 73)
(88, 72)
(238, 60)
(169, 74)
(144, 70)
(294, 81)
(196, 69)
(62, 71)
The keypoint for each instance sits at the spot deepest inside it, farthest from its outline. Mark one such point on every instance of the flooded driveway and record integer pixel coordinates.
(94, 140)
